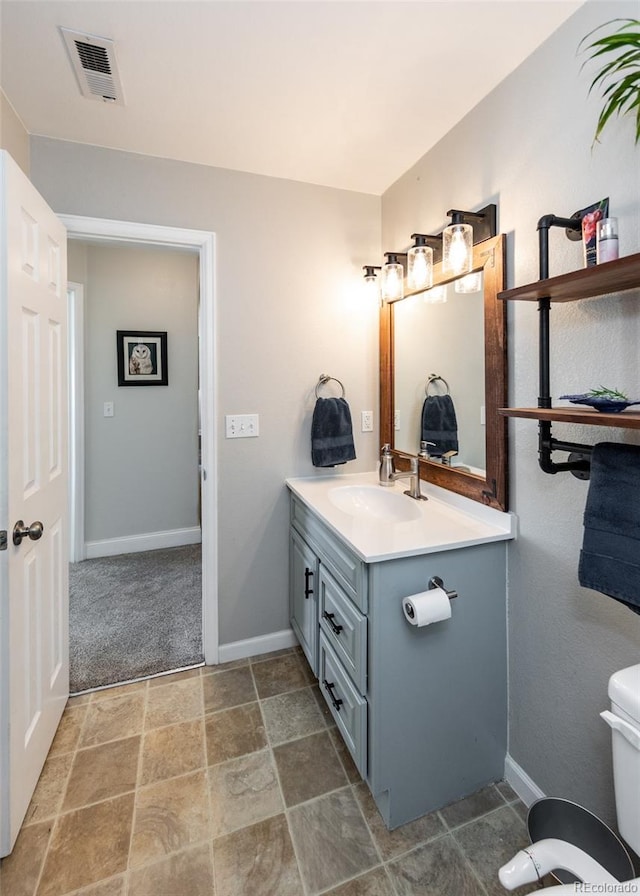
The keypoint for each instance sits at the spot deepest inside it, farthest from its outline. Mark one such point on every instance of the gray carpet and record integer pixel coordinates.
(134, 615)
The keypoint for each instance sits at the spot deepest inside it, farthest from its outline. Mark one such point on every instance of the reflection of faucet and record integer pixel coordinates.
(447, 456)
(387, 474)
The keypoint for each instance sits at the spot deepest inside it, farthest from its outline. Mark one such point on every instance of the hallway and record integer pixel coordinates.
(134, 615)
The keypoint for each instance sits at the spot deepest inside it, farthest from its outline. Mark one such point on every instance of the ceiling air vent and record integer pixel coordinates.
(94, 62)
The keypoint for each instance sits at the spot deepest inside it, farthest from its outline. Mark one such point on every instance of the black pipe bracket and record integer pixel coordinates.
(578, 462)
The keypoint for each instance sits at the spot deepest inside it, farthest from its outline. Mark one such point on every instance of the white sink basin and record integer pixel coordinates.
(374, 502)
(380, 523)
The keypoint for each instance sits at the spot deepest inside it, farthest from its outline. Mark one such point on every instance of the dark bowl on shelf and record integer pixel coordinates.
(605, 405)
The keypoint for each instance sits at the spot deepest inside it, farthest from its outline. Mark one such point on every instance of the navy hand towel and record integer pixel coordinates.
(439, 424)
(331, 433)
(610, 556)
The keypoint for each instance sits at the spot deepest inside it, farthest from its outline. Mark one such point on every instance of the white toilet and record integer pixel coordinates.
(545, 856)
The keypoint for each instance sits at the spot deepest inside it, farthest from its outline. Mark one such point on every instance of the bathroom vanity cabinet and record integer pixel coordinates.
(423, 711)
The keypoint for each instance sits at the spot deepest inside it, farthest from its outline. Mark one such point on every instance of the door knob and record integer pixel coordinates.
(20, 531)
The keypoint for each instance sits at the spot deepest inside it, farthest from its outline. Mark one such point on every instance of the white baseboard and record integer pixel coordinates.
(527, 790)
(150, 541)
(239, 650)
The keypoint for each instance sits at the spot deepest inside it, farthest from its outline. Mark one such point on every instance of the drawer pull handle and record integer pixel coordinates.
(334, 626)
(308, 575)
(329, 686)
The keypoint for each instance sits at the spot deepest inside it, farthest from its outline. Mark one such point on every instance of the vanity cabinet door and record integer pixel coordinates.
(303, 597)
(346, 568)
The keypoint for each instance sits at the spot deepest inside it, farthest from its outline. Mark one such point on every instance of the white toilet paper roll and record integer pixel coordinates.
(427, 607)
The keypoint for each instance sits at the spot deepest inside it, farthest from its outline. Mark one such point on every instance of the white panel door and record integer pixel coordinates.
(34, 595)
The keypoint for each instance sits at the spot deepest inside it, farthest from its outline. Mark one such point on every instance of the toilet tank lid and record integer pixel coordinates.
(624, 690)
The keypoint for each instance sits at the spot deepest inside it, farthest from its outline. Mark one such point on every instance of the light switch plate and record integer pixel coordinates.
(107, 409)
(242, 426)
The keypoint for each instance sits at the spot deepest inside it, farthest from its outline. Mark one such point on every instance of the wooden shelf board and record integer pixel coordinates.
(623, 420)
(586, 283)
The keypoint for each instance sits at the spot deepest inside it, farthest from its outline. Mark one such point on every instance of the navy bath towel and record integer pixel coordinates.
(331, 433)
(610, 556)
(439, 424)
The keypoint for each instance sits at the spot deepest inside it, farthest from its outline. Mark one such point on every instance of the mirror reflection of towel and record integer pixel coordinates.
(331, 433)
(439, 424)
(610, 555)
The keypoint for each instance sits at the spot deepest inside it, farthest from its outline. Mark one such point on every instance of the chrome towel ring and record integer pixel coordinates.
(324, 379)
(435, 378)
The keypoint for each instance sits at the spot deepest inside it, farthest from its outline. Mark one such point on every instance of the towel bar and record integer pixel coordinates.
(323, 379)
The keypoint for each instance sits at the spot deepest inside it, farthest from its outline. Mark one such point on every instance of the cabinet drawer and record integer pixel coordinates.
(348, 569)
(348, 707)
(345, 628)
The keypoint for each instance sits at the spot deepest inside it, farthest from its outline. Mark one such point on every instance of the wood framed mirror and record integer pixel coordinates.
(463, 343)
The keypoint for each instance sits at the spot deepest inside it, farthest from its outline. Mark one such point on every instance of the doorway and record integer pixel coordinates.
(116, 234)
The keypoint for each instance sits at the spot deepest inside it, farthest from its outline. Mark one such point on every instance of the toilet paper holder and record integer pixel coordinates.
(436, 582)
(437, 612)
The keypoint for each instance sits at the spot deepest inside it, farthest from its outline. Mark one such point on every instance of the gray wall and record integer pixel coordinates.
(13, 135)
(141, 464)
(289, 307)
(528, 148)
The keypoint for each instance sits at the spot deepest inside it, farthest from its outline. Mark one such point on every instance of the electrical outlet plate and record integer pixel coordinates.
(367, 421)
(396, 420)
(242, 426)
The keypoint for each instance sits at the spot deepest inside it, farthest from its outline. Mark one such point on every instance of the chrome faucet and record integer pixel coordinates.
(387, 474)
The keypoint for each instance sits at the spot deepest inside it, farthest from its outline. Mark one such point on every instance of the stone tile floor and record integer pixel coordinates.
(233, 781)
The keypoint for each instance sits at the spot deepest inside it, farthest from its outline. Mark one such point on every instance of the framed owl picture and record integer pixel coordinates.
(142, 358)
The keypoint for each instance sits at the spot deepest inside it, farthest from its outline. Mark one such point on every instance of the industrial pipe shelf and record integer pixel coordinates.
(612, 277)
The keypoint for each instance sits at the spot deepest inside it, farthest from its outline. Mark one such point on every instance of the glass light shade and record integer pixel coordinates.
(436, 295)
(371, 291)
(420, 267)
(457, 249)
(391, 285)
(470, 283)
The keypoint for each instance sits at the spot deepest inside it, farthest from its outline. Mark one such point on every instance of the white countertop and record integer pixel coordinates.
(444, 522)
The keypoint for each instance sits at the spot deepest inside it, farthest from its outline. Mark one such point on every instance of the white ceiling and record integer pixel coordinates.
(345, 93)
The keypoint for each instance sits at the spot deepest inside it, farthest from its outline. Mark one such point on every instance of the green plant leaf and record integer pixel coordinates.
(603, 392)
(618, 78)
(628, 60)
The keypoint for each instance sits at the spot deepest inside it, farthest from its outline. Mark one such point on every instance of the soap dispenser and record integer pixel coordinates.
(424, 449)
(387, 468)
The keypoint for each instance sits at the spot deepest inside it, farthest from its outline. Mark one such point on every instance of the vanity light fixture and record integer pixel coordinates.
(454, 246)
(460, 236)
(371, 282)
(392, 277)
